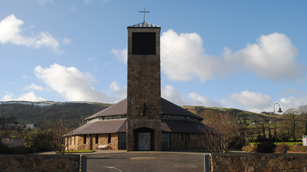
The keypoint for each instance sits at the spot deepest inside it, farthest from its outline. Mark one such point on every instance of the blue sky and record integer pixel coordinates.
(239, 54)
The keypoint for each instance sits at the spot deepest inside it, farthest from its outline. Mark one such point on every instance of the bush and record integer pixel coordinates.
(298, 148)
(266, 147)
(249, 148)
(282, 148)
(4, 149)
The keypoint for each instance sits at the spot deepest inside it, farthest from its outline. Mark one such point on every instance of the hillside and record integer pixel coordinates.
(37, 112)
(237, 113)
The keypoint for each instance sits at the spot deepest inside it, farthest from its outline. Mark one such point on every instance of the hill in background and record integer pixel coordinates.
(36, 112)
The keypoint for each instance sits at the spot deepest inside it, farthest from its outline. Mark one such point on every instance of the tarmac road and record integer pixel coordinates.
(122, 161)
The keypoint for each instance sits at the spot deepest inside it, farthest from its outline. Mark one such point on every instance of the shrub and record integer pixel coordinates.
(282, 148)
(4, 149)
(266, 147)
(298, 148)
(249, 148)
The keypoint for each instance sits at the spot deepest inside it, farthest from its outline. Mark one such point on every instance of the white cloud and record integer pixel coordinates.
(87, 1)
(121, 55)
(258, 102)
(291, 92)
(183, 58)
(273, 57)
(252, 101)
(104, 2)
(44, 1)
(10, 32)
(92, 58)
(24, 97)
(73, 8)
(292, 102)
(114, 85)
(172, 94)
(34, 87)
(73, 84)
(66, 41)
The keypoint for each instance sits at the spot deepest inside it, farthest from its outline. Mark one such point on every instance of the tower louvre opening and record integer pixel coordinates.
(144, 43)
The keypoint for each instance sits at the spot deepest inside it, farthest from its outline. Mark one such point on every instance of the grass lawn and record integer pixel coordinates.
(278, 143)
(79, 151)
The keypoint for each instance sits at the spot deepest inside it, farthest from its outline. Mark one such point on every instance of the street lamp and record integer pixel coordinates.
(279, 111)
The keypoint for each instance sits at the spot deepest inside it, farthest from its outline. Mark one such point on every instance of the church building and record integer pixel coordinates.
(143, 121)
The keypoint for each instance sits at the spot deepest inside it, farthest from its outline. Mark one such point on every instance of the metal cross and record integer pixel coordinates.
(144, 13)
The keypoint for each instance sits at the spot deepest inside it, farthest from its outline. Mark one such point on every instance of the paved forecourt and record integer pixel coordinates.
(122, 161)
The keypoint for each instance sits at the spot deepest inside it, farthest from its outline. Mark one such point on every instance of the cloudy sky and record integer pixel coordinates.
(240, 54)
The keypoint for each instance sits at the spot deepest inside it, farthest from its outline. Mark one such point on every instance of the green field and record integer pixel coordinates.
(278, 143)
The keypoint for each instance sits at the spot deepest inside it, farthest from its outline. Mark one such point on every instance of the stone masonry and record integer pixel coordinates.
(144, 86)
(258, 162)
(77, 142)
(39, 163)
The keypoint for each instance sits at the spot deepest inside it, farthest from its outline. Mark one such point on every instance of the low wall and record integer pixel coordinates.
(258, 162)
(46, 163)
(10, 142)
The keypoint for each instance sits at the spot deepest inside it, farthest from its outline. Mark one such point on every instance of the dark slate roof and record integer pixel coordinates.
(144, 24)
(183, 126)
(119, 126)
(119, 108)
(100, 127)
(167, 108)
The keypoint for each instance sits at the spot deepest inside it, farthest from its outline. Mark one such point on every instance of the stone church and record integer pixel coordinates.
(143, 121)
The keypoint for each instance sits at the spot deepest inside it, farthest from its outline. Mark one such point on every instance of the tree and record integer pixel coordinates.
(302, 110)
(224, 134)
(51, 137)
(290, 121)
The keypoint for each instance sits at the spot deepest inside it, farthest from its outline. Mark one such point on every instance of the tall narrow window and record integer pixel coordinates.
(109, 138)
(166, 141)
(181, 136)
(122, 141)
(84, 139)
(75, 140)
(96, 138)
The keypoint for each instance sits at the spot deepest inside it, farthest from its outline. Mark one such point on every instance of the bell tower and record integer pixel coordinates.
(144, 88)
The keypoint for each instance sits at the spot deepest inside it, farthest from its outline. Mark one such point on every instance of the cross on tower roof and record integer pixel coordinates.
(144, 13)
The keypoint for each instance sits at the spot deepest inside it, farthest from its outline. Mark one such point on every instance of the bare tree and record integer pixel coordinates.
(56, 131)
(302, 110)
(290, 122)
(225, 133)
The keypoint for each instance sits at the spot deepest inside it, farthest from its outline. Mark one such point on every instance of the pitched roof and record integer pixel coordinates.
(100, 127)
(119, 108)
(119, 126)
(183, 126)
(144, 24)
(167, 108)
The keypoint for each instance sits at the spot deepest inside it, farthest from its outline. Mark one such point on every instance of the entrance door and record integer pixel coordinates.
(144, 141)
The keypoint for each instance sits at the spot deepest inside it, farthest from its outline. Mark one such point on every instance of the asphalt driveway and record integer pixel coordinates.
(122, 161)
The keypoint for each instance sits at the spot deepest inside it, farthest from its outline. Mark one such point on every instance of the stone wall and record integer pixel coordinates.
(77, 142)
(258, 162)
(12, 142)
(46, 163)
(193, 142)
